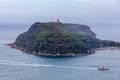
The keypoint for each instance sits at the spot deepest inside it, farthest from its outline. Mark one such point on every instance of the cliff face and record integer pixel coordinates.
(48, 39)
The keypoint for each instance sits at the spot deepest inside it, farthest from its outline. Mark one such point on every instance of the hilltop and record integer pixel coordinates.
(59, 39)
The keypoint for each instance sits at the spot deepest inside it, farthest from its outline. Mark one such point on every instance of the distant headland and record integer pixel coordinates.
(55, 38)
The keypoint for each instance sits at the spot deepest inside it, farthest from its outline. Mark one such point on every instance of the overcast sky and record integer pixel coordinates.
(75, 11)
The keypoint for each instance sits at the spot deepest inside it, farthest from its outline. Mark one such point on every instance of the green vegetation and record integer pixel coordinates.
(106, 43)
(47, 38)
(52, 42)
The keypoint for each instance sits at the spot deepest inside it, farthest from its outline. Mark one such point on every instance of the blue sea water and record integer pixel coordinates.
(15, 65)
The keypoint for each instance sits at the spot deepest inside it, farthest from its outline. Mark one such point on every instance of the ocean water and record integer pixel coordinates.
(15, 65)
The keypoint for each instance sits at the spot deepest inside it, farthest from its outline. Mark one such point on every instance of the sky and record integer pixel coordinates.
(103, 16)
(73, 11)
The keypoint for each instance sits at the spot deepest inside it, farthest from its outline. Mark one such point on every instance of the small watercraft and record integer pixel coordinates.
(103, 68)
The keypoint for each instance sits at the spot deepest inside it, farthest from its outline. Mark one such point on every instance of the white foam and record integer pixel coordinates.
(67, 67)
(21, 63)
(4, 62)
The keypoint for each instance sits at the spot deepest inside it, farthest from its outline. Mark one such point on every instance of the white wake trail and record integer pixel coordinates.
(22, 64)
(70, 67)
(4, 62)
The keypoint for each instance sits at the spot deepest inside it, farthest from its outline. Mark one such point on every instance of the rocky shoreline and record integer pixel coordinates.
(50, 55)
(61, 55)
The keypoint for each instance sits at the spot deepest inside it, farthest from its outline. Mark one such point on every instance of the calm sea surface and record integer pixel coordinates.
(15, 65)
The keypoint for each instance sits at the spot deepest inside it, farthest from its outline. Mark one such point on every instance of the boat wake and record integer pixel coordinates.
(21, 63)
(71, 67)
(3, 62)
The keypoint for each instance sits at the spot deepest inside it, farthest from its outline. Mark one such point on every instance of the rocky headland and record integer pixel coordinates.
(60, 39)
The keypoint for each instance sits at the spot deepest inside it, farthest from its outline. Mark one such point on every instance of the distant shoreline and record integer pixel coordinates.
(107, 48)
(50, 55)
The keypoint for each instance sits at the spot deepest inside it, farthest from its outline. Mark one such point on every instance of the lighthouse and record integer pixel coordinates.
(56, 22)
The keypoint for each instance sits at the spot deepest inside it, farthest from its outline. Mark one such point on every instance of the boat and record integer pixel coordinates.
(103, 68)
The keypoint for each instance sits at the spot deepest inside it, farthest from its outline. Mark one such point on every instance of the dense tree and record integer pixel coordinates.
(49, 41)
